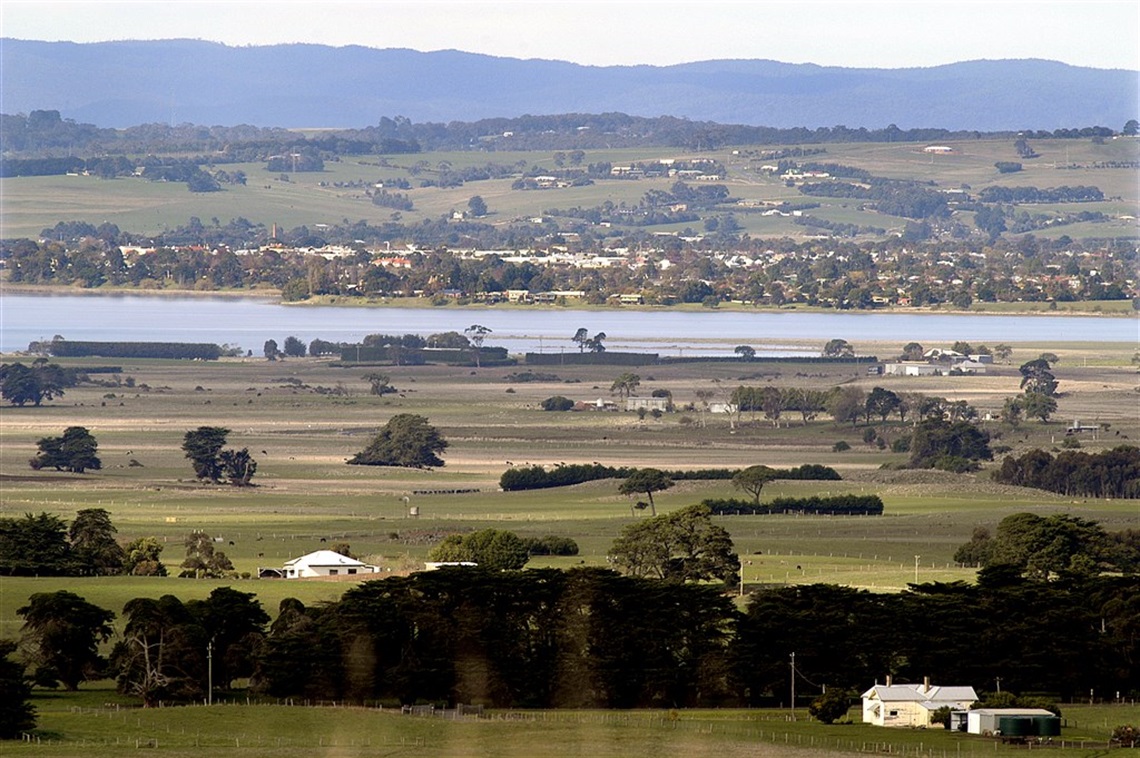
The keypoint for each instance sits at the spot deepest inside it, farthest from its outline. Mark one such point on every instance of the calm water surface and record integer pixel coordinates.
(250, 322)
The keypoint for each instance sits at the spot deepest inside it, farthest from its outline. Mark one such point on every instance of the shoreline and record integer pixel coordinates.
(348, 301)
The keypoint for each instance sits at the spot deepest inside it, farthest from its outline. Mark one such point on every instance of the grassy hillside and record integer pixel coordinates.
(34, 203)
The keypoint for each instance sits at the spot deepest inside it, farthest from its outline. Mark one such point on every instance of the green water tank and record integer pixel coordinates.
(1015, 726)
(1047, 726)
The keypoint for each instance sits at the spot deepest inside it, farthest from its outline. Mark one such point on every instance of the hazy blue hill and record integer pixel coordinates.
(126, 83)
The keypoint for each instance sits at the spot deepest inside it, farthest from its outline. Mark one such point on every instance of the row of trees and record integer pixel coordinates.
(1111, 473)
(45, 545)
(591, 638)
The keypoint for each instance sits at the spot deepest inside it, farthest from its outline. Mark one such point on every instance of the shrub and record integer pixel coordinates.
(557, 403)
(840, 447)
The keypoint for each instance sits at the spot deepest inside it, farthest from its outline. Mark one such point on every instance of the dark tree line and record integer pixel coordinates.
(1111, 473)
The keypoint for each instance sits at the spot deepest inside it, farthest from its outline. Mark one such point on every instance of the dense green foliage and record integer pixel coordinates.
(62, 633)
(1047, 547)
(17, 715)
(537, 477)
(406, 440)
(537, 638)
(682, 546)
(1110, 473)
(834, 505)
(43, 545)
(591, 638)
(950, 446)
(34, 546)
(20, 384)
(167, 646)
(204, 351)
(491, 549)
(74, 451)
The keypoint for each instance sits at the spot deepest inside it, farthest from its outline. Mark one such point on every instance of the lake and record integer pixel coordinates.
(249, 322)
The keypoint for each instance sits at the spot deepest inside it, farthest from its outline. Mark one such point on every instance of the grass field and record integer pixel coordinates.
(35, 203)
(97, 720)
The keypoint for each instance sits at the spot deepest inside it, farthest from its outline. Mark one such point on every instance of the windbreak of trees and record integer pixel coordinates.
(1065, 194)
(537, 477)
(181, 350)
(835, 505)
(1111, 473)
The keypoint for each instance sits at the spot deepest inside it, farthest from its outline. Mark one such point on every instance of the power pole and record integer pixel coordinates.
(793, 686)
(210, 672)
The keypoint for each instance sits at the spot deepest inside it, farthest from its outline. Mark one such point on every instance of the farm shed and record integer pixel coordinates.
(1011, 722)
(912, 704)
(326, 563)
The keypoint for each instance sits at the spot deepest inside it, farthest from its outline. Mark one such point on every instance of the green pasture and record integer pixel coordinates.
(96, 719)
(312, 198)
(306, 497)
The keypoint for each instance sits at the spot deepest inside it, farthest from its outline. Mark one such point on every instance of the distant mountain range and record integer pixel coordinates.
(118, 84)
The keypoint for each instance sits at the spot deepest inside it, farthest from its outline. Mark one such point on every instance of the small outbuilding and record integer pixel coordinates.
(326, 563)
(1008, 722)
(912, 705)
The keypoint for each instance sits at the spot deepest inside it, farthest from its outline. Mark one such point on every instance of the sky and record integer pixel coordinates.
(909, 33)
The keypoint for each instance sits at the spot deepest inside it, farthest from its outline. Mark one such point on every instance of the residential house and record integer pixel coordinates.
(912, 705)
(326, 563)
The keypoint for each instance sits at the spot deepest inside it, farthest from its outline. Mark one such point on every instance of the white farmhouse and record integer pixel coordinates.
(912, 704)
(326, 563)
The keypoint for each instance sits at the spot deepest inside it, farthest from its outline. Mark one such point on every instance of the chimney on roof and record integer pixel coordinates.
(925, 684)
(888, 680)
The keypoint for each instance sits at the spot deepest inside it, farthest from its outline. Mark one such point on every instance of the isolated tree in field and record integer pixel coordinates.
(1131, 128)
(203, 447)
(477, 333)
(94, 550)
(17, 715)
(1002, 352)
(494, 549)
(294, 348)
(647, 480)
(238, 466)
(20, 384)
(683, 546)
(753, 479)
(476, 206)
(379, 384)
(746, 352)
(595, 343)
(625, 385)
(202, 560)
(74, 452)
(1036, 377)
(406, 440)
(838, 348)
(61, 636)
(269, 349)
(557, 403)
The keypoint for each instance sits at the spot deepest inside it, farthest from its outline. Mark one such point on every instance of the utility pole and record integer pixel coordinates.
(916, 568)
(210, 672)
(793, 686)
